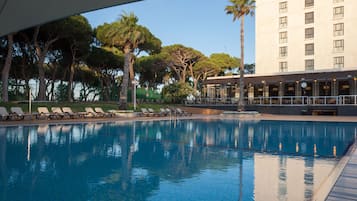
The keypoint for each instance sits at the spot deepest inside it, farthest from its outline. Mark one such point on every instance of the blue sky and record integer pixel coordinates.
(194, 23)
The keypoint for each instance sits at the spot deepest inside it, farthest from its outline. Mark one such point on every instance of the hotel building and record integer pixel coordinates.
(304, 48)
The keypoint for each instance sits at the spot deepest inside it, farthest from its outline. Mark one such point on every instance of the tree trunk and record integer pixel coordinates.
(6, 69)
(41, 54)
(70, 82)
(123, 99)
(132, 77)
(241, 69)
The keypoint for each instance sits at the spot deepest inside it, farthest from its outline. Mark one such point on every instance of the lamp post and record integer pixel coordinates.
(134, 82)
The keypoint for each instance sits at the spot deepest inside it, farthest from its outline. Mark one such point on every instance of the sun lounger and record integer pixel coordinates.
(43, 113)
(145, 113)
(21, 115)
(57, 111)
(99, 110)
(4, 115)
(72, 114)
(157, 114)
(182, 112)
(91, 113)
(164, 112)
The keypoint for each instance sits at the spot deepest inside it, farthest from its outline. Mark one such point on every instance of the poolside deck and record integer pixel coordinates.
(346, 186)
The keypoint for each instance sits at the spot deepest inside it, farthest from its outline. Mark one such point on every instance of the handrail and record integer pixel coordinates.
(280, 100)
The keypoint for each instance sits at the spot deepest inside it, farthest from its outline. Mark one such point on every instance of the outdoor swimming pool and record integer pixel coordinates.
(170, 160)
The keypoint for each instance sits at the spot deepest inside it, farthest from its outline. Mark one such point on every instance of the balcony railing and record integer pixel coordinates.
(280, 100)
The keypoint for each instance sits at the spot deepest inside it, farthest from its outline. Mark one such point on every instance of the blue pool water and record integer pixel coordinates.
(170, 160)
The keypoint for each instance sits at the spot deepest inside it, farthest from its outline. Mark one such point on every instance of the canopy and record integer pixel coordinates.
(16, 15)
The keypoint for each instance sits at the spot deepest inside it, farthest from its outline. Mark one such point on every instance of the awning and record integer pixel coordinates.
(287, 77)
(16, 15)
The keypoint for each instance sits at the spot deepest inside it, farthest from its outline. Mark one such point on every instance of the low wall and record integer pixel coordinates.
(291, 110)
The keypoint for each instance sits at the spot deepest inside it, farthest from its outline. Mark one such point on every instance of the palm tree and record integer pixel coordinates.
(129, 37)
(126, 35)
(239, 9)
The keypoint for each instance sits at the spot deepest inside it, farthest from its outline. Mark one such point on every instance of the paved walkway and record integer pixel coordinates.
(346, 186)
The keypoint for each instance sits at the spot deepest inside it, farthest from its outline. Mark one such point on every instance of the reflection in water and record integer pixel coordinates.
(170, 160)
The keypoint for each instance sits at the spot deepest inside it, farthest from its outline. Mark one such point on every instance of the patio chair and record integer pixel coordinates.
(43, 113)
(4, 115)
(72, 114)
(21, 115)
(99, 110)
(57, 111)
(91, 113)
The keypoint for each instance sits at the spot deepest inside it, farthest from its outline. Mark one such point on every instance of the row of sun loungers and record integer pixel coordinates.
(56, 113)
(148, 112)
(16, 113)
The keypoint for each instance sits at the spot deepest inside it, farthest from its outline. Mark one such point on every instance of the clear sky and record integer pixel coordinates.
(200, 24)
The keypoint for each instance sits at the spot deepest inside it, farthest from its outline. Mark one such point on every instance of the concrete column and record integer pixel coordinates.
(334, 88)
(315, 88)
(281, 89)
(297, 88)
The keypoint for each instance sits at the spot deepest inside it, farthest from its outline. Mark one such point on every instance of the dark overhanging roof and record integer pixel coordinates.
(287, 77)
(16, 15)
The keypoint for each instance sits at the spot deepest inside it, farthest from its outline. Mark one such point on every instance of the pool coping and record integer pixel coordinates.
(322, 193)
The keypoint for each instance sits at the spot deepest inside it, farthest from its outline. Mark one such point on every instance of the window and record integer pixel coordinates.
(338, 29)
(309, 3)
(283, 51)
(283, 7)
(338, 45)
(283, 37)
(338, 62)
(309, 64)
(338, 12)
(283, 22)
(309, 49)
(309, 18)
(309, 33)
(283, 66)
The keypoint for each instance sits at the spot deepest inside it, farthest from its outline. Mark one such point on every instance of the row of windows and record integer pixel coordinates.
(338, 30)
(338, 46)
(338, 62)
(338, 12)
(283, 6)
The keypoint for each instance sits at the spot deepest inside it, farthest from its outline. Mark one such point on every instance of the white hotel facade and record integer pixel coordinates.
(303, 48)
(305, 35)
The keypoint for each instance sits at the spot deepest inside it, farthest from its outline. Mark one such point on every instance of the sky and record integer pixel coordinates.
(193, 23)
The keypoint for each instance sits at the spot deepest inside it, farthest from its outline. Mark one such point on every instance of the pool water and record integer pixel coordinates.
(170, 160)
